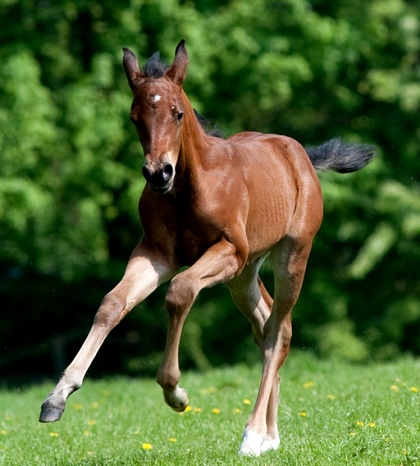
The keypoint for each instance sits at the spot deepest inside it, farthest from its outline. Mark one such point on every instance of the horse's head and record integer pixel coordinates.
(157, 112)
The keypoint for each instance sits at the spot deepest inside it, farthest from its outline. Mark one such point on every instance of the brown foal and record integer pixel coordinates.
(220, 207)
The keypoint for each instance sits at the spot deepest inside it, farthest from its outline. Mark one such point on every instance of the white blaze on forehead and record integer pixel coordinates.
(156, 98)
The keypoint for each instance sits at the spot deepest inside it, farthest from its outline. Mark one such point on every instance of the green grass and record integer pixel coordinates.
(330, 414)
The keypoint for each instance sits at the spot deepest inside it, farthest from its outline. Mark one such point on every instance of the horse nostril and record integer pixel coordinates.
(159, 179)
(147, 173)
(167, 172)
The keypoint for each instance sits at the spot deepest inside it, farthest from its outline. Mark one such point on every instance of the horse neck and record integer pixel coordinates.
(195, 144)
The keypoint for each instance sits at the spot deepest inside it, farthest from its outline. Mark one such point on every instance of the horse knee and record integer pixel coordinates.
(181, 295)
(110, 312)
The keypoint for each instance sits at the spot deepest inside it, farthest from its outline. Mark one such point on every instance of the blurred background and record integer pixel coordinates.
(70, 171)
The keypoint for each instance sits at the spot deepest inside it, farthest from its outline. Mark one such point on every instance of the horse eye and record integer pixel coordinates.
(179, 116)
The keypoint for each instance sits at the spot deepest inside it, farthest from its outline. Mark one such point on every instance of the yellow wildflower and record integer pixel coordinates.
(186, 410)
(359, 423)
(215, 411)
(54, 434)
(3, 432)
(395, 388)
(414, 389)
(197, 410)
(302, 413)
(308, 384)
(371, 424)
(172, 439)
(147, 446)
(91, 422)
(331, 397)
(237, 411)
(86, 432)
(247, 402)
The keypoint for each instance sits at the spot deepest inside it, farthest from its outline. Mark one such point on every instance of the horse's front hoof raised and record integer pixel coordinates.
(50, 413)
(177, 400)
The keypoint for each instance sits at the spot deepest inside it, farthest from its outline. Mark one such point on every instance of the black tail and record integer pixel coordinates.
(340, 156)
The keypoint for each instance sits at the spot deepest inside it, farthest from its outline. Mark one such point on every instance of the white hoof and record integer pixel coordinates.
(251, 443)
(270, 444)
(177, 400)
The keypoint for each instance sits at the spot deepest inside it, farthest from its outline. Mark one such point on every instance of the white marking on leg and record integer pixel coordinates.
(251, 443)
(156, 98)
(270, 444)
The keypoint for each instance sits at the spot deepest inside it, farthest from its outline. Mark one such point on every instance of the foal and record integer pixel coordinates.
(220, 207)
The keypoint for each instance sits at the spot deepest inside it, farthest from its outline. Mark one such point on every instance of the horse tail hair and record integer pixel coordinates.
(339, 156)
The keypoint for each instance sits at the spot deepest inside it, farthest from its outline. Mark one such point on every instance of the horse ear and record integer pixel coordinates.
(131, 67)
(178, 70)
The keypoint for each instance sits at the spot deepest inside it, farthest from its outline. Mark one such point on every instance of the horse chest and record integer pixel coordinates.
(195, 236)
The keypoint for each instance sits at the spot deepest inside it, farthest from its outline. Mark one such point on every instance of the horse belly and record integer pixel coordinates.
(268, 222)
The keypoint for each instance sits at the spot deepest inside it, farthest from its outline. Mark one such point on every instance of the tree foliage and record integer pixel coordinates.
(70, 161)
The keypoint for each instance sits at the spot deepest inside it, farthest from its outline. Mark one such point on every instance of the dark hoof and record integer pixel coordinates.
(50, 413)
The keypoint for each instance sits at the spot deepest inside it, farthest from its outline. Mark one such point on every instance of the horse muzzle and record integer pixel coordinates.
(160, 180)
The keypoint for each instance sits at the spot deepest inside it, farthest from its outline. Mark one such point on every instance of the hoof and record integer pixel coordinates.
(251, 444)
(180, 408)
(50, 413)
(177, 400)
(270, 444)
(247, 451)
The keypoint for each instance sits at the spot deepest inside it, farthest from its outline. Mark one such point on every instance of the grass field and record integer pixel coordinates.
(330, 414)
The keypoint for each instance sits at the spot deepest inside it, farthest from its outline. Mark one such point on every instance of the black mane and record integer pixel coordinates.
(208, 127)
(155, 68)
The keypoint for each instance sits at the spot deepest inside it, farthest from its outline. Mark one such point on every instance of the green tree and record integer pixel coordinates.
(70, 160)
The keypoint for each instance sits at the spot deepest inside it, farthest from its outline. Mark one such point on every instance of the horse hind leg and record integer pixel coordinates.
(289, 262)
(253, 300)
(272, 438)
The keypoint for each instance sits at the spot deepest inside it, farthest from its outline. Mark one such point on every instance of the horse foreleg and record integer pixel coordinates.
(143, 274)
(217, 265)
